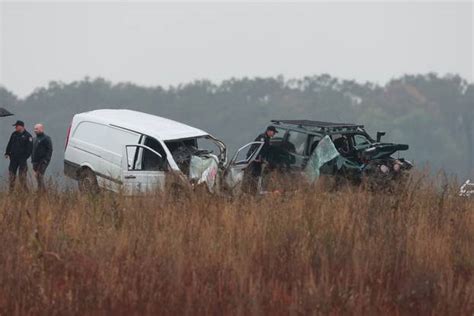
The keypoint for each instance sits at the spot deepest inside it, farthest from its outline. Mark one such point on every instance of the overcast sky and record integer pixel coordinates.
(167, 44)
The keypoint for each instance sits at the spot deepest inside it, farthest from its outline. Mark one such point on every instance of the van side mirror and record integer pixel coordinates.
(379, 136)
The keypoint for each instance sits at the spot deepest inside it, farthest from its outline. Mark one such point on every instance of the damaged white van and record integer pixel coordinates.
(135, 152)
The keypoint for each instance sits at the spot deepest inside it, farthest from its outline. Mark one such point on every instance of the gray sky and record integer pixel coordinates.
(163, 44)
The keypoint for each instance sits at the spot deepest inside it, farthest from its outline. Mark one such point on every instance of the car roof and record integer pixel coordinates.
(320, 124)
(319, 127)
(155, 126)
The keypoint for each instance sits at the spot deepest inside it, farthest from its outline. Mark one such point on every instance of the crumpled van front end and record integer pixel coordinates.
(201, 159)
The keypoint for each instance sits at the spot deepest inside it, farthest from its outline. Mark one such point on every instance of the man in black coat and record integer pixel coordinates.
(42, 152)
(265, 138)
(255, 168)
(18, 151)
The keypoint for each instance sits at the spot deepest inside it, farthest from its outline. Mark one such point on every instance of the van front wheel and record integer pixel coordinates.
(88, 182)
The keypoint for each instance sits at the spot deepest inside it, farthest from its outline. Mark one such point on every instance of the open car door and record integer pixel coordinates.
(247, 154)
(143, 169)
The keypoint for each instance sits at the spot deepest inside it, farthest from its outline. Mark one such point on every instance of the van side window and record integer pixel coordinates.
(143, 159)
(155, 145)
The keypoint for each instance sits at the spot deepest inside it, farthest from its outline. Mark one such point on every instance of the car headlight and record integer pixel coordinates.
(384, 169)
(397, 167)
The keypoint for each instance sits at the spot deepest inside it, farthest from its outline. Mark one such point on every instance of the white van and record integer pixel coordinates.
(116, 149)
(134, 152)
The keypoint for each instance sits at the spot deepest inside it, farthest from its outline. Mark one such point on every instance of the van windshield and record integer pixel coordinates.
(182, 150)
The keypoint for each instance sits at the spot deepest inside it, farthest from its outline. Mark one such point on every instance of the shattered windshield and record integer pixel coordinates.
(360, 140)
(184, 149)
(347, 143)
(324, 152)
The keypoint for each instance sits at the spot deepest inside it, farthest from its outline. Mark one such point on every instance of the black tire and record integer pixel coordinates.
(88, 182)
(178, 190)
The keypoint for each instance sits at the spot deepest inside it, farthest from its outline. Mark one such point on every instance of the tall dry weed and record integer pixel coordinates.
(313, 251)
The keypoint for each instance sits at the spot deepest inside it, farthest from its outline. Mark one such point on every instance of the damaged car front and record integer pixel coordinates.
(362, 158)
(341, 150)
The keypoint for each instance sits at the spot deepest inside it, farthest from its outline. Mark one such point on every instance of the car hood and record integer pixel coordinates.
(382, 150)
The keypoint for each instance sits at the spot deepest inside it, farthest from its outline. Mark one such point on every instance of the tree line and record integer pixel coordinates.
(433, 114)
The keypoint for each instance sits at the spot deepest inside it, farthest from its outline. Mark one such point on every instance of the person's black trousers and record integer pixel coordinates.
(18, 166)
(40, 169)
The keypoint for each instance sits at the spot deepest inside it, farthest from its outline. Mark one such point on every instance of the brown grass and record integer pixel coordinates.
(313, 252)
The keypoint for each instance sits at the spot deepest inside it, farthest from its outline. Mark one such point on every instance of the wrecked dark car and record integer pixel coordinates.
(341, 150)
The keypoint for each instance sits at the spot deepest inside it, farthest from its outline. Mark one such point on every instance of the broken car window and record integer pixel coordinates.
(324, 152)
(342, 144)
(314, 143)
(183, 150)
(296, 142)
(360, 140)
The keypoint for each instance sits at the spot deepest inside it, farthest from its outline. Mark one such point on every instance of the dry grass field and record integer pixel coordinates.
(309, 252)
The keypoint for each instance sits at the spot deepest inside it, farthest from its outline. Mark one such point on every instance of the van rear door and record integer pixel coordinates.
(143, 169)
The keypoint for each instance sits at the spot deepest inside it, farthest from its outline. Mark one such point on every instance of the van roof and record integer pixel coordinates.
(143, 123)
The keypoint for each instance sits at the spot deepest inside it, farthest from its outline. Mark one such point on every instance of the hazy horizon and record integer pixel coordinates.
(167, 44)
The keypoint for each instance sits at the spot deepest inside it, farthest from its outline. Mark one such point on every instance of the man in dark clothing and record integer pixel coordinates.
(42, 151)
(18, 151)
(265, 138)
(256, 166)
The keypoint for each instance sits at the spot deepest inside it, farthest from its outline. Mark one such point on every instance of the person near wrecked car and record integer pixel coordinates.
(266, 138)
(18, 150)
(41, 156)
(263, 155)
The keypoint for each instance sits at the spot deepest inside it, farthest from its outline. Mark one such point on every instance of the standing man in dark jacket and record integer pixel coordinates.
(256, 166)
(42, 152)
(18, 151)
(265, 138)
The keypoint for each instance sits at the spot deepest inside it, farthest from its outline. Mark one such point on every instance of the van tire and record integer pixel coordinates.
(88, 181)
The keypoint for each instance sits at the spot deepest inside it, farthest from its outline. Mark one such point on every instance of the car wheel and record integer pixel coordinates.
(88, 182)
